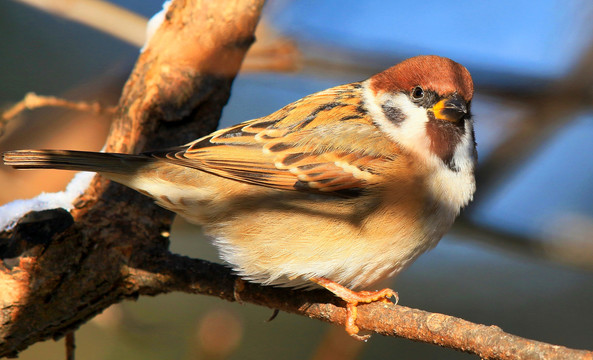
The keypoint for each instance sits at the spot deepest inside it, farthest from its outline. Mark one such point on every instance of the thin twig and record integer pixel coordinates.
(572, 248)
(70, 345)
(177, 273)
(33, 101)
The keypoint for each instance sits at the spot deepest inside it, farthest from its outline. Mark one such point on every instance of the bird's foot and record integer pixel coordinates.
(352, 299)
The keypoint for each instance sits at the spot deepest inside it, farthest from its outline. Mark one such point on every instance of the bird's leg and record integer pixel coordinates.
(352, 299)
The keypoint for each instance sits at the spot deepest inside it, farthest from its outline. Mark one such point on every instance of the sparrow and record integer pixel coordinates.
(340, 189)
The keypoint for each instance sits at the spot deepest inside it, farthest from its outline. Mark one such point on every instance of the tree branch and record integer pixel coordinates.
(33, 101)
(172, 272)
(53, 263)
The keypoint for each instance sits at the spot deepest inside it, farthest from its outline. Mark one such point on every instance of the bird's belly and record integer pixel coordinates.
(285, 238)
(289, 247)
(353, 261)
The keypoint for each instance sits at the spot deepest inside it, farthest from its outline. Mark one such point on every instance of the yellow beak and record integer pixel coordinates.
(452, 108)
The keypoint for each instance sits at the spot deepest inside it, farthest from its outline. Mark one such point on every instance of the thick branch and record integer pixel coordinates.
(56, 274)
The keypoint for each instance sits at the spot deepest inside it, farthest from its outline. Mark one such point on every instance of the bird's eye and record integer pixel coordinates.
(417, 93)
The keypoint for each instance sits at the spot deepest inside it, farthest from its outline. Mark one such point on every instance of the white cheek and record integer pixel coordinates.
(453, 189)
(411, 132)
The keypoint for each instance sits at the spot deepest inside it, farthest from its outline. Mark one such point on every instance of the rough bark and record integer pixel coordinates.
(57, 273)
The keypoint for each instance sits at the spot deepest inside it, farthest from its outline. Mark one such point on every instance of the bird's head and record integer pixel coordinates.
(423, 104)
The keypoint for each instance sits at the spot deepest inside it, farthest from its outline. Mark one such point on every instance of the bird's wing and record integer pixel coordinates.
(325, 142)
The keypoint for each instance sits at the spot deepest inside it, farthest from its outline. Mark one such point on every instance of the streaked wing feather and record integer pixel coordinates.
(299, 147)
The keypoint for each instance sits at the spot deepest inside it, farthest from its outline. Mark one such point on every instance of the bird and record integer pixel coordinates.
(340, 189)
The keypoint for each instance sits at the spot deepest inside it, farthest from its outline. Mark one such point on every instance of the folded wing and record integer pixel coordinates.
(325, 142)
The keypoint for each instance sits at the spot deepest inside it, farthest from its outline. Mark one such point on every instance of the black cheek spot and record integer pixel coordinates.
(393, 114)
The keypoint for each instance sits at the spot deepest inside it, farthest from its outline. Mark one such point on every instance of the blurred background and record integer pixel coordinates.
(520, 257)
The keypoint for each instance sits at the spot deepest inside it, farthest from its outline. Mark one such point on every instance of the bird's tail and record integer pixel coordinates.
(76, 160)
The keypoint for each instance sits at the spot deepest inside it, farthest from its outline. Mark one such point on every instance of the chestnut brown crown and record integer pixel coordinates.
(441, 75)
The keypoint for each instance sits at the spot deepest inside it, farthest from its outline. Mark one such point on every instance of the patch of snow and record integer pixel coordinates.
(10, 213)
(155, 21)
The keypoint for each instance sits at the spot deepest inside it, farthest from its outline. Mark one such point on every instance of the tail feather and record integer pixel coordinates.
(75, 160)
